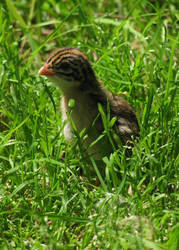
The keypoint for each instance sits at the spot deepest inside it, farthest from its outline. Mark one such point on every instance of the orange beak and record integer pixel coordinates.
(46, 71)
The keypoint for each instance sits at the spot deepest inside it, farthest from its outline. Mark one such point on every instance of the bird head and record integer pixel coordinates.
(69, 68)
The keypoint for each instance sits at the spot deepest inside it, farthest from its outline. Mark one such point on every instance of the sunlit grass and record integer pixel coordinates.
(45, 203)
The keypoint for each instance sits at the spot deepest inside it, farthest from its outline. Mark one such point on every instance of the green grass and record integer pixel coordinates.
(44, 203)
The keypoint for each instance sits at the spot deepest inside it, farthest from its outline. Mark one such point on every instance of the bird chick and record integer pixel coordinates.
(71, 71)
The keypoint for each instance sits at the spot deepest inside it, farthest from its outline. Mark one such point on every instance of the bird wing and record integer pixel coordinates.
(127, 125)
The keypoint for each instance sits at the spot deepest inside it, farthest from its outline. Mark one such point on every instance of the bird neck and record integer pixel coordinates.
(82, 100)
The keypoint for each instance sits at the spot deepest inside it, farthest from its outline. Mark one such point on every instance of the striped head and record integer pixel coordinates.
(69, 68)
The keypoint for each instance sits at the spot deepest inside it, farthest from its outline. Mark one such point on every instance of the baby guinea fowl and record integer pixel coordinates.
(71, 71)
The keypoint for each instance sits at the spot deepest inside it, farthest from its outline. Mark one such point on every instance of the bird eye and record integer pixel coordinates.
(64, 66)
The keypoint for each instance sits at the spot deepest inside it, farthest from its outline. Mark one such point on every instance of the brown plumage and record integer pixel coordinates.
(71, 71)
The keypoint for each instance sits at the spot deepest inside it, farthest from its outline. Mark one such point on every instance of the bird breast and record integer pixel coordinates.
(83, 113)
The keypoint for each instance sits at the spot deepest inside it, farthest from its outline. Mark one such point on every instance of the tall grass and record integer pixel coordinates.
(44, 201)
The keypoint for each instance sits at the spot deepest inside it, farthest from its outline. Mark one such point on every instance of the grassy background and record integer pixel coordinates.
(44, 204)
